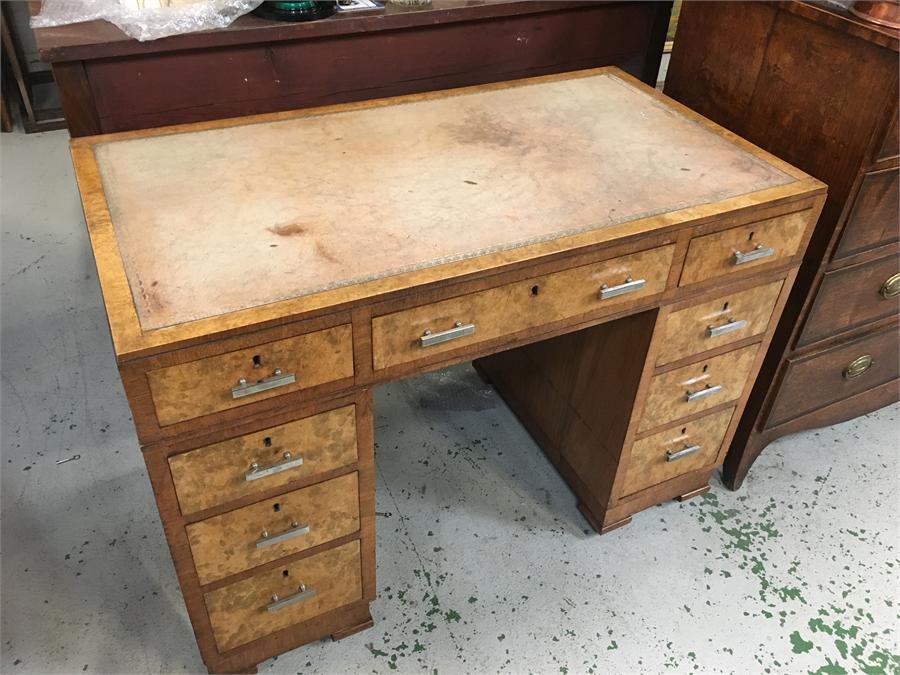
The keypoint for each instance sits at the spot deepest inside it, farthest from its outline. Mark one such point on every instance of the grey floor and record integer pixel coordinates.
(484, 563)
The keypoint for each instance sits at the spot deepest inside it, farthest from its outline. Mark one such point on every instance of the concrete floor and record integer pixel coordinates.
(484, 563)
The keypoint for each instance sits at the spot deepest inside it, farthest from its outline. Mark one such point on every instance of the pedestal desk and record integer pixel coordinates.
(613, 261)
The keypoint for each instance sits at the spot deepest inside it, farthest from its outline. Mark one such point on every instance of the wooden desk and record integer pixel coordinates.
(615, 262)
(109, 82)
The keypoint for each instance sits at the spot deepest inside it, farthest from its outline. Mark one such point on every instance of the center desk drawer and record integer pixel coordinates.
(274, 528)
(225, 381)
(718, 322)
(223, 472)
(299, 591)
(426, 330)
(691, 389)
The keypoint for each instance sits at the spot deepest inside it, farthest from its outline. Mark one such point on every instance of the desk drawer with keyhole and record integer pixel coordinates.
(421, 332)
(718, 322)
(258, 461)
(675, 451)
(271, 601)
(741, 248)
(691, 389)
(216, 383)
(274, 528)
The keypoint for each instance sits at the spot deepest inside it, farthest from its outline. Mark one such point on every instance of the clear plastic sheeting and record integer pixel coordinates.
(146, 19)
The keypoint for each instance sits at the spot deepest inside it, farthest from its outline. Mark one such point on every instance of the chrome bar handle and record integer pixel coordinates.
(277, 379)
(289, 462)
(303, 593)
(459, 330)
(684, 452)
(728, 327)
(740, 257)
(295, 530)
(702, 393)
(629, 286)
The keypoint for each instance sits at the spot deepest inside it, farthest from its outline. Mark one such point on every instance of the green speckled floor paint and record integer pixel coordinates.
(485, 565)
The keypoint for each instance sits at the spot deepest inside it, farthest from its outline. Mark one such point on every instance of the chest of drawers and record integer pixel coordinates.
(616, 274)
(817, 87)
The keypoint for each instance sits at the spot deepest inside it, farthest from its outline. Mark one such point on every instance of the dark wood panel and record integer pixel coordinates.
(188, 86)
(874, 218)
(890, 147)
(850, 297)
(818, 380)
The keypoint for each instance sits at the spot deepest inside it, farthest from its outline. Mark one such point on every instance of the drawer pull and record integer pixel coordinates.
(303, 593)
(858, 366)
(459, 330)
(289, 462)
(629, 286)
(728, 327)
(702, 393)
(295, 530)
(277, 379)
(741, 257)
(891, 287)
(684, 452)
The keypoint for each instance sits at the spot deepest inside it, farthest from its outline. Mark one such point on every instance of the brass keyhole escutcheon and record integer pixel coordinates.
(858, 366)
(891, 287)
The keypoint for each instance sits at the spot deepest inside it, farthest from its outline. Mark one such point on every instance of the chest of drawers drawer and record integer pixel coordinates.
(852, 296)
(741, 248)
(675, 451)
(699, 386)
(423, 331)
(299, 591)
(718, 322)
(817, 380)
(216, 383)
(874, 218)
(273, 528)
(229, 470)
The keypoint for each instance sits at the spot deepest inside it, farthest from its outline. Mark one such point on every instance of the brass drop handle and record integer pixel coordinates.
(891, 287)
(858, 366)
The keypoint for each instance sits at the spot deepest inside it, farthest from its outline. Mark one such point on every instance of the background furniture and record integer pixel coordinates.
(623, 308)
(818, 89)
(109, 82)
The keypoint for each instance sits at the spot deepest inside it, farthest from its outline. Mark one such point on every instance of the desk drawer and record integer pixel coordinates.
(222, 472)
(295, 521)
(853, 296)
(718, 322)
(398, 338)
(832, 375)
(697, 387)
(246, 610)
(675, 451)
(741, 248)
(874, 219)
(213, 384)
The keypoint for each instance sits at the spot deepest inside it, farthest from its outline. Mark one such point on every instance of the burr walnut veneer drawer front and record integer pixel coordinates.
(675, 451)
(420, 332)
(741, 248)
(697, 387)
(815, 381)
(299, 591)
(271, 529)
(718, 322)
(225, 381)
(852, 296)
(261, 460)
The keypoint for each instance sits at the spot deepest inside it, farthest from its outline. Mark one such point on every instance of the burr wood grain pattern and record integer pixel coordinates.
(238, 613)
(669, 395)
(585, 201)
(217, 473)
(201, 387)
(687, 330)
(230, 543)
